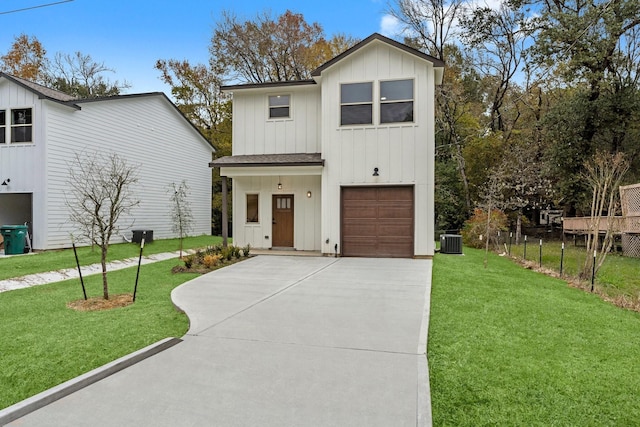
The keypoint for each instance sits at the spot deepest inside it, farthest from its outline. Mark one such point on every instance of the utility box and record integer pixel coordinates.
(451, 244)
(14, 238)
(137, 236)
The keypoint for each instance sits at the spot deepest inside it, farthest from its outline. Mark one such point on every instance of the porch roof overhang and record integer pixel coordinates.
(270, 164)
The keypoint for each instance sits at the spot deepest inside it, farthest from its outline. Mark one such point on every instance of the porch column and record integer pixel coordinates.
(225, 218)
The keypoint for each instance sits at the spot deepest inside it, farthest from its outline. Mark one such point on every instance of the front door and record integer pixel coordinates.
(282, 221)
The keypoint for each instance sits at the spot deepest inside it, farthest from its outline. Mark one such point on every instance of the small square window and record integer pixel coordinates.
(252, 208)
(279, 106)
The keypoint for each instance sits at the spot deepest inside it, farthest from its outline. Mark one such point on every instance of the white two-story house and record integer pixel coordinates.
(41, 131)
(342, 163)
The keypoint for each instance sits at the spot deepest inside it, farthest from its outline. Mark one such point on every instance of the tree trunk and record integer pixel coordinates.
(459, 158)
(103, 262)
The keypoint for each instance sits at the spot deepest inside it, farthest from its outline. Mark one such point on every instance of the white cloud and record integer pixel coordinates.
(390, 26)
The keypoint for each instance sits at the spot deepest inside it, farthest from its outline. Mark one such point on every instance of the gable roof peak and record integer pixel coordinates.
(377, 37)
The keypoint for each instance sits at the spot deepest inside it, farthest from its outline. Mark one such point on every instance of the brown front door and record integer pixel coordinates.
(282, 228)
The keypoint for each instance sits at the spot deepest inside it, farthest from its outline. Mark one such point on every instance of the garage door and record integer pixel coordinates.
(377, 221)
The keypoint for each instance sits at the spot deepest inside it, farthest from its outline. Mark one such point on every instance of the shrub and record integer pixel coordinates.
(210, 260)
(246, 250)
(188, 261)
(476, 226)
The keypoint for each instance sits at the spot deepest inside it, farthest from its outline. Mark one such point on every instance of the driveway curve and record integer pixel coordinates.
(279, 341)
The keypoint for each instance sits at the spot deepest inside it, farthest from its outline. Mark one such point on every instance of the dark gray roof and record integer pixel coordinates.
(42, 91)
(268, 84)
(248, 160)
(375, 36)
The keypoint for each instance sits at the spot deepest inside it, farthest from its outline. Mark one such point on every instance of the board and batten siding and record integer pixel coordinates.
(306, 212)
(255, 133)
(402, 152)
(23, 163)
(149, 134)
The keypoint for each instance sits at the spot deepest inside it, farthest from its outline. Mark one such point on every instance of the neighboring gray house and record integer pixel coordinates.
(41, 130)
(344, 161)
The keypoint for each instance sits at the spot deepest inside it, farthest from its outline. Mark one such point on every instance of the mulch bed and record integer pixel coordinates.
(99, 303)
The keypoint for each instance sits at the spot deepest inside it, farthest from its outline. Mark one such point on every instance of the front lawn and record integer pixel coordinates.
(16, 266)
(44, 343)
(508, 346)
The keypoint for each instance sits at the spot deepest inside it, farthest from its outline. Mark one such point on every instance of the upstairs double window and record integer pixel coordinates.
(16, 126)
(395, 102)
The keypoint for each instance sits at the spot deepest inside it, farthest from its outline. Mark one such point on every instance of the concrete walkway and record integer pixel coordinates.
(72, 273)
(278, 341)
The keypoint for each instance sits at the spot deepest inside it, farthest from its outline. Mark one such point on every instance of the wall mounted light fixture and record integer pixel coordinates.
(375, 172)
(309, 194)
(279, 184)
(6, 181)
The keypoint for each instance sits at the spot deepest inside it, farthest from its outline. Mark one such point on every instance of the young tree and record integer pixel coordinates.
(181, 214)
(101, 192)
(196, 90)
(604, 172)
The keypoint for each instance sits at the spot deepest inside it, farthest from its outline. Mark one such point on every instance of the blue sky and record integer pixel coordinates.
(130, 35)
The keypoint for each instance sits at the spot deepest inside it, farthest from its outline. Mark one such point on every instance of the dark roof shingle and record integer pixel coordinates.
(249, 160)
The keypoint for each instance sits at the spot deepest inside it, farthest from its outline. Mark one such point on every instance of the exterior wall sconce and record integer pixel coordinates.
(375, 172)
(279, 184)
(309, 194)
(6, 181)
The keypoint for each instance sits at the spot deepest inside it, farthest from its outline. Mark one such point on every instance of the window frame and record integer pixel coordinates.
(385, 101)
(9, 128)
(251, 221)
(271, 108)
(3, 127)
(356, 104)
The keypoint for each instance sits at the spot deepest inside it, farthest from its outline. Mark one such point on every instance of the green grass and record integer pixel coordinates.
(40, 262)
(43, 343)
(618, 275)
(508, 346)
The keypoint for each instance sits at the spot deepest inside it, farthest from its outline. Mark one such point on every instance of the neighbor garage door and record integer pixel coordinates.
(377, 221)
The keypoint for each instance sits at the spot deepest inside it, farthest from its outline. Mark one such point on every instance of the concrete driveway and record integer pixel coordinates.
(278, 341)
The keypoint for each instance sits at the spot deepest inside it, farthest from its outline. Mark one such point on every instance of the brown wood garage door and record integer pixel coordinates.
(377, 221)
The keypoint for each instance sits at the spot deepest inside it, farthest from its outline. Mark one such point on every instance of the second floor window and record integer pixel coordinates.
(279, 106)
(396, 101)
(3, 126)
(356, 103)
(21, 125)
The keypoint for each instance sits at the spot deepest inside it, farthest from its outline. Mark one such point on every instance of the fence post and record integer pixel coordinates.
(593, 269)
(510, 236)
(540, 253)
(525, 248)
(561, 258)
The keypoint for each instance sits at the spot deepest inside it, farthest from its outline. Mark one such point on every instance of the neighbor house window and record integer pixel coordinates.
(396, 101)
(356, 103)
(252, 208)
(279, 106)
(3, 126)
(21, 125)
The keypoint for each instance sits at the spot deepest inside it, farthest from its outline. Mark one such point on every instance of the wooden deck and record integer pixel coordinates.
(581, 225)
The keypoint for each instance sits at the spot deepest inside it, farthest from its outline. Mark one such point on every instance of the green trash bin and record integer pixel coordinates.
(14, 238)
